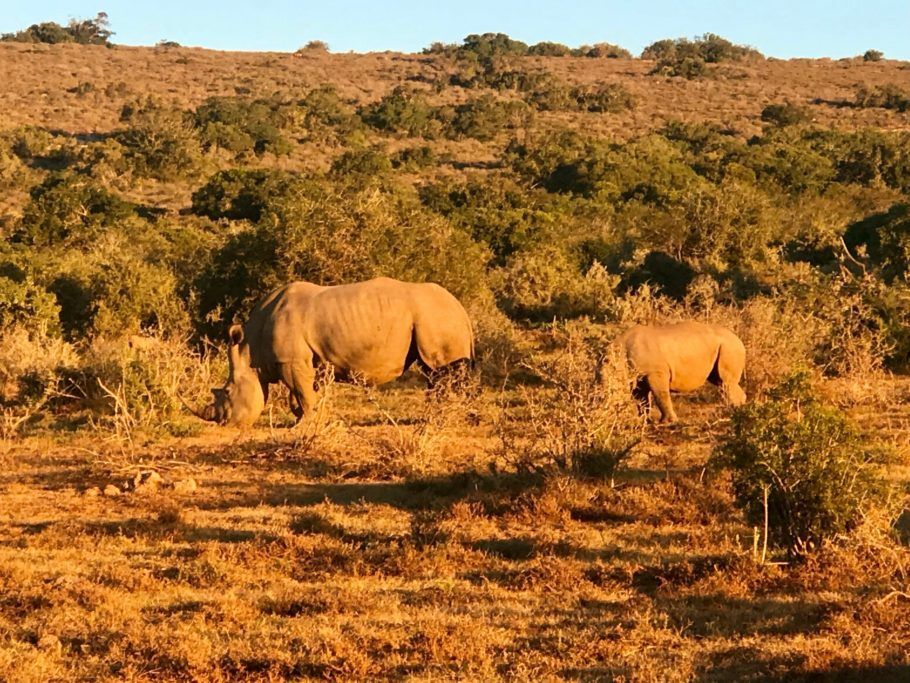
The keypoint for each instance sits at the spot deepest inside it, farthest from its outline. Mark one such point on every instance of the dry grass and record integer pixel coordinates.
(312, 562)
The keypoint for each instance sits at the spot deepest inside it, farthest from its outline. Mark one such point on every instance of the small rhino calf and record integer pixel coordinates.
(681, 357)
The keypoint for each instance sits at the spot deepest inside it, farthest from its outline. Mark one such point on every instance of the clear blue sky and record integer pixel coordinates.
(780, 28)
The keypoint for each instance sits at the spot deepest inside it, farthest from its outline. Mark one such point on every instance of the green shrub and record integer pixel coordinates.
(414, 158)
(785, 114)
(323, 110)
(884, 239)
(603, 51)
(872, 157)
(887, 96)
(315, 46)
(112, 292)
(485, 117)
(816, 467)
(687, 59)
(548, 49)
(87, 31)
(401, 111)
(239, 125)
(496, 212)
(69, 208)
(241, 194)
(709, 47)
(27, 305)
(161, 142)
(361, 162)
(488, 45)
(788, 162)
(547, 283)
(613, 97)
(873, 56)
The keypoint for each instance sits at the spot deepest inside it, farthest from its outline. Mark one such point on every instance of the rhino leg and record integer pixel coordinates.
(727, 373)
(300, 379)
(659, 383)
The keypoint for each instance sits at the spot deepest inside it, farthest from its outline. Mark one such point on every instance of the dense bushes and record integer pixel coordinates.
(161, 142)
(887, 96)
(313, 229)
(687, 58)
(241, 125)
(87, 32)
(69, 208)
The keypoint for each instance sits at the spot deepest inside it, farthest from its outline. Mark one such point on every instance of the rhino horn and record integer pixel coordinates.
(201, 414)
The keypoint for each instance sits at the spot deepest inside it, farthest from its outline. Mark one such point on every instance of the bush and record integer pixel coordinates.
(784, 114)
(709, 47)
(816, 468)
(27, 305)
(613, 97)
(576, 423)
(367, 163)
(887, 96)
(873, 56)
(87, 32)
(414, 158)
(548, 49)
(687, 59)
(242, 194)
(315, 46)
(69, 208)
(603, 51)
(496, 212)
(323, 109)
(401, 111)
(333, 233)
(113, 292)
(161, 142)
(547, 283)
(239, 125)
(485, 117)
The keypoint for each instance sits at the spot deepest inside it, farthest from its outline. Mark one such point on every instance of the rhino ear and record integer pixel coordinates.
(235, 333)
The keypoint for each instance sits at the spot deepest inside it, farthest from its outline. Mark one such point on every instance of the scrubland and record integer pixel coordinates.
(529, 526)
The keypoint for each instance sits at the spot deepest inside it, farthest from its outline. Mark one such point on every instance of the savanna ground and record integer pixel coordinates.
(401, 537)
(388, 549)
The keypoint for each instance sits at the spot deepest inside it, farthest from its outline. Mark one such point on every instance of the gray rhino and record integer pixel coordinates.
(682, 357)
(373, 330)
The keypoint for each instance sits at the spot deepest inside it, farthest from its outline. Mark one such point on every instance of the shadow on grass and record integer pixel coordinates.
(431, 493)
(135, 528)
(720, 615)
(752, 664)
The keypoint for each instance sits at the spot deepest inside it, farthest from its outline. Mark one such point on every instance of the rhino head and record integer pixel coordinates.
(242, 399)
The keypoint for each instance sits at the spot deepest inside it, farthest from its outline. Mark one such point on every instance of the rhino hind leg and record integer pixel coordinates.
(727, 373)
(659, 384)
(300, 379)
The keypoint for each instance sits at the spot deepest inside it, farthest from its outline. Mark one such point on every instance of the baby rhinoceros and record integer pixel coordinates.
(371, 330)
(682, 357)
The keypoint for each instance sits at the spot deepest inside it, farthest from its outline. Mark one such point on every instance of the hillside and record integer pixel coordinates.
(41, 79)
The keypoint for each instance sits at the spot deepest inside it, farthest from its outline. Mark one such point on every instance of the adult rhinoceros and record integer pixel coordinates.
(374, 330)
(682, 357)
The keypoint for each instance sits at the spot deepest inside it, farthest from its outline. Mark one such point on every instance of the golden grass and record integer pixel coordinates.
(327, 562)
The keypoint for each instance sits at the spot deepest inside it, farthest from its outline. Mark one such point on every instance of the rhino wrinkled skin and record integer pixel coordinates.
(374, 330)
(681, 357)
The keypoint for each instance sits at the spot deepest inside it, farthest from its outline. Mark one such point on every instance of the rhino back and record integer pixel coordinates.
(365, 327)
(687, 350)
